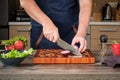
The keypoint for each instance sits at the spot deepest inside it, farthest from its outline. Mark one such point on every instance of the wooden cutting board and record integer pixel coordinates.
(48, 56)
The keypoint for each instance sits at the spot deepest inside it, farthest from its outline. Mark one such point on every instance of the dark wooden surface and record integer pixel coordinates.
(28, 71)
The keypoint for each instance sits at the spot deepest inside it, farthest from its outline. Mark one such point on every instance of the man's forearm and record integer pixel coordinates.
(34, 11)
(84, 16)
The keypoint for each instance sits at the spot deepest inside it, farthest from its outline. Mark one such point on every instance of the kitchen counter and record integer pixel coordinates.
(19, 23)
(28, 71)
(105, 23)
(116, 23)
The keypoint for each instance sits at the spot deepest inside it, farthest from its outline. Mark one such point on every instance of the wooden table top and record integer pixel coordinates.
(27, 71)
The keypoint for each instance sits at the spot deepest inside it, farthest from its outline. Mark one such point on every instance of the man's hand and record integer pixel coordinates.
(50, 31)
(81, 40)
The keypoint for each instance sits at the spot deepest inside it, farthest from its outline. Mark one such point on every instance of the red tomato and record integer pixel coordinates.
(9, 47)
(19, 45)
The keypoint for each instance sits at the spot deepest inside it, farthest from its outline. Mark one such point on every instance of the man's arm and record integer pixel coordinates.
(84, 17)
(50, 31)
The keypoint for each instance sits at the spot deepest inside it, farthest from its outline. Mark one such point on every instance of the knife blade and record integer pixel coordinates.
(61, 43)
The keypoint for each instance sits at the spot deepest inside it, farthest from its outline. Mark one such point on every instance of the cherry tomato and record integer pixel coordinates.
(10, 47)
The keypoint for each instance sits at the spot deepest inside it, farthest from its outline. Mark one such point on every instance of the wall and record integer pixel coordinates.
(13, 6)
(97, 9)
(101, 3)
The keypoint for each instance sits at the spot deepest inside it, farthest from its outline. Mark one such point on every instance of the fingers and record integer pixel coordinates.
(53, 37)
(56, 37)
(82, 42)
(49, 36)
(83, 45)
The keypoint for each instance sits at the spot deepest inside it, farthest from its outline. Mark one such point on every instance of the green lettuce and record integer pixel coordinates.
(12, 40)
(17, 54)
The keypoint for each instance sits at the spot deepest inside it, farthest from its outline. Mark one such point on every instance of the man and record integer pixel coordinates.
(56, 18)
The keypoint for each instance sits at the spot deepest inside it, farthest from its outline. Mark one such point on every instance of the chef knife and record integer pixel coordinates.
(61, 43)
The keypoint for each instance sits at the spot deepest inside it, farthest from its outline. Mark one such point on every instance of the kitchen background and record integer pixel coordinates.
(98, 7)
(14, 21)
(15, 10)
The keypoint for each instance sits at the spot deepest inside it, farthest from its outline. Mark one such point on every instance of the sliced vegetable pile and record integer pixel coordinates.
(17, 54)
(18, 42)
